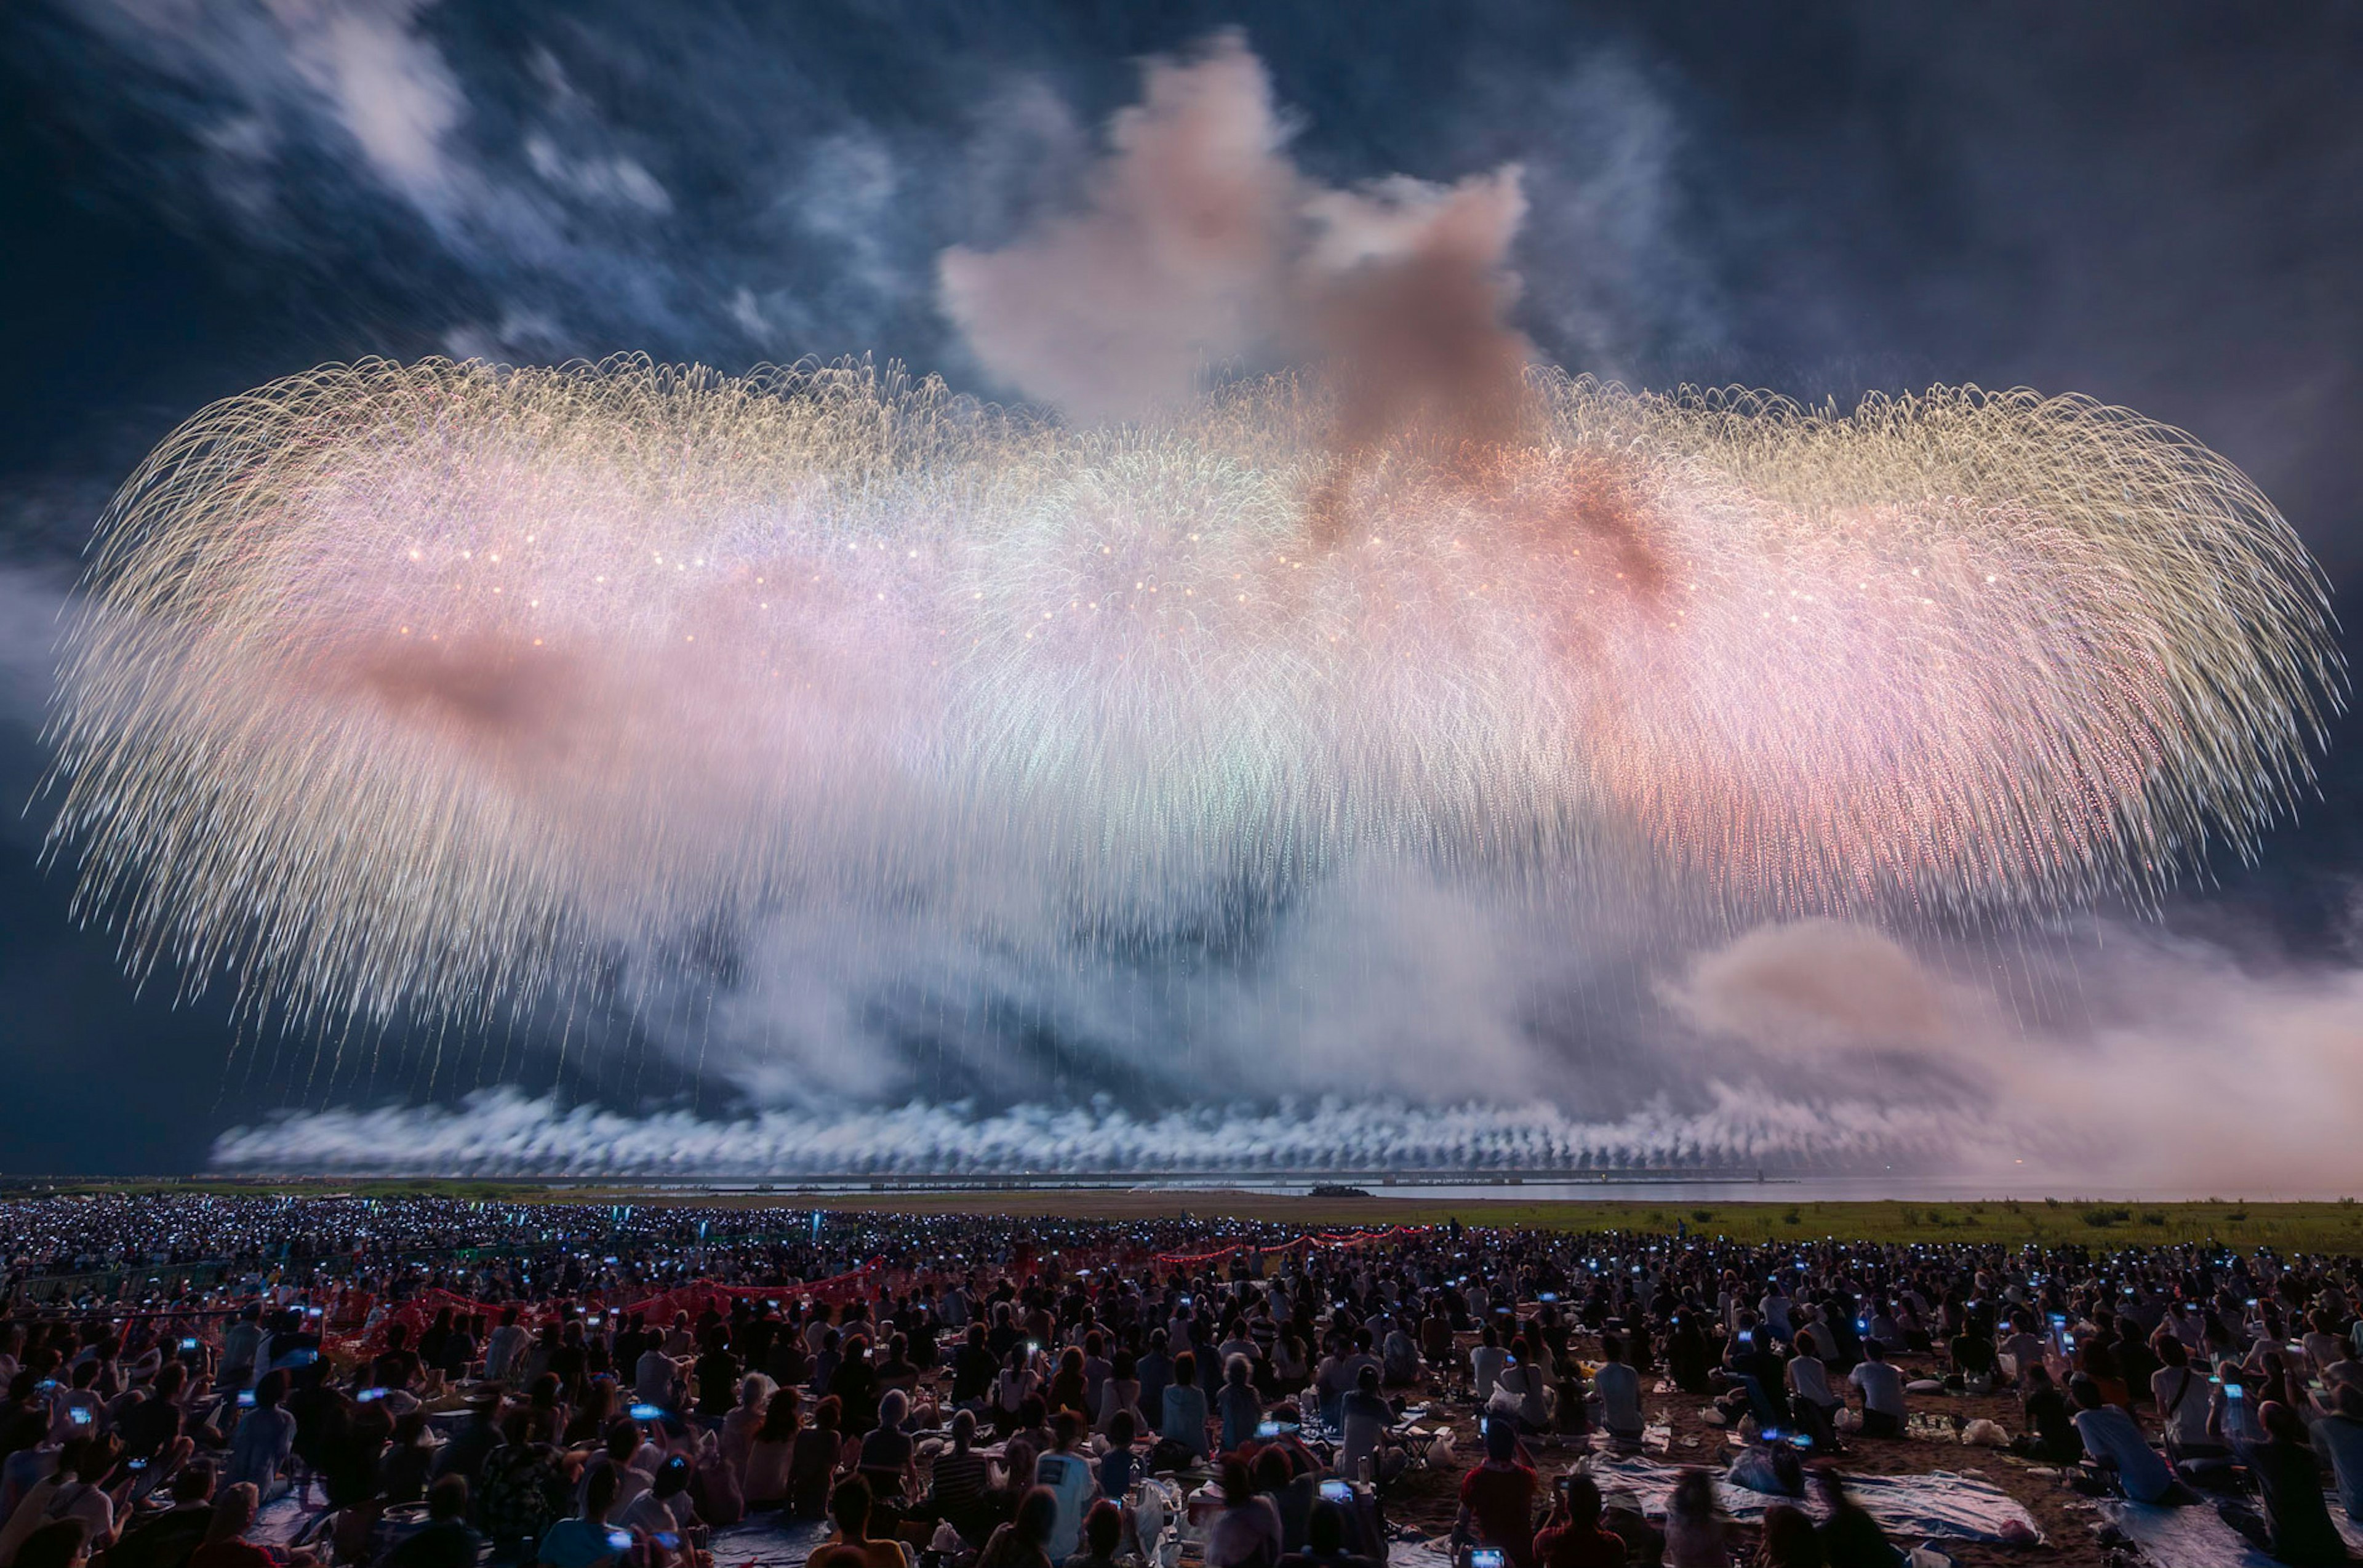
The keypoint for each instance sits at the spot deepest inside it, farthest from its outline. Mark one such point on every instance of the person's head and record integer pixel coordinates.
(1037, 1517)
(1103, 1529)
(93, 1457)
(194, 1483)
(1239, 1482)
(447, 1500)
(1236, 1371)
(755, 1391)
(270, 1390)
(1367, 1380)
(829, 1414)
(894, 1409)
(233, 1512)
(1612, 1348)
(2037, 1376)
(1272, 1471)
(1582, 1495)
(61, 1543)
(1185, 1369)
(2282, 1421)
(2084, 1391)
(1501, 1440)
(1802, 1342)
(2169, 1351)
(1789, 1540)
(1693, 1497)
(848, 1507)
(1066, 1427)
(671, 1478)
(1123, 1430)
(598, 1489)
(782, 1417)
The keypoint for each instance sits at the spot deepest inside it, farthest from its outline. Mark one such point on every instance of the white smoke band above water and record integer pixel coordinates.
(502, 1131)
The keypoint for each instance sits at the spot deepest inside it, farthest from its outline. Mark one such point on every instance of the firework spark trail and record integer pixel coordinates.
(424, 688)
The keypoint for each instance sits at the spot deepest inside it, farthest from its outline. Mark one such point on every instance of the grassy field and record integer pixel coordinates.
(2293, 1227)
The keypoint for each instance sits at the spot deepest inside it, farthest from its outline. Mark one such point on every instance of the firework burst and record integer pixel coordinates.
(422, 688)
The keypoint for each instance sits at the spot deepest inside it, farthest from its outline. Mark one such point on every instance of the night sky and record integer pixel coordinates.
(2159, 205)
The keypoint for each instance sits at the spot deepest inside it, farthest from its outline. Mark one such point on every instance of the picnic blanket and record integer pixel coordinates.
(1940, 1504)
(764, 1541)
(2195, 1538)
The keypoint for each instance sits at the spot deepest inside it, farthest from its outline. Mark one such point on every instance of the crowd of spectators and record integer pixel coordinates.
(434, 1382)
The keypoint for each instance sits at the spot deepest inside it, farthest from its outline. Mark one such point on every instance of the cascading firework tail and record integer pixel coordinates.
(422, 687)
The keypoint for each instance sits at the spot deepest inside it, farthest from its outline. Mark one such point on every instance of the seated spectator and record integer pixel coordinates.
(1069, 1476)
(61, 1543)
(849, 1509)
(1185, 1407)
(167, 1539)
(1698, 1533)
(446, 1541)
(1571, 1536)
(813, 1462)
(1850, 1537)
(1120, 1465)
(261, 1441)
(1367, 1417)
(1617, 1387)
(1023, 1542)
(1789, 1539)
(2178, 1392)
(2340, 1437)
(1881, 1387)
(770, 1452)
(2294, 1524)
(2050, 1434)
(226, 1545)
(887, 1453)
(587, 1539)
(1247, 1533)
(961, 1484)
(1497, 1497)
(1103, 1534)
(1518, 1391)
(1238, 1406)
(2114, 1443)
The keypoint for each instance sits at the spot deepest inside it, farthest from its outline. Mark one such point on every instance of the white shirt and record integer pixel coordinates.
(1809, 1379)
(1882, 1388)
(1619, 1388)
(2187, 1424)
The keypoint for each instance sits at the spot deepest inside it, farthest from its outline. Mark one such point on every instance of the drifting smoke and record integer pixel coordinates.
(1202, 246)
(1794, 1071)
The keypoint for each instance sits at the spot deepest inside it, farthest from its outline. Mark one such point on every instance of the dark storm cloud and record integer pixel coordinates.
(2162, 206)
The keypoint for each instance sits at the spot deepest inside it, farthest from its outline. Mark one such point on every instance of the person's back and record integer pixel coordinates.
(2178, 1392)
(1572, 1537)
(1485, 1363)
(2297, 1526)
(168, 1539)
(1497, 1497)
(1324, 1542)
(2339, 1438)
(446, 1541)
(1619, 1390)
(264, 1437)
(2110, 1435)
(1185, 1418)
(1241, 1412)
(1069, 1476)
